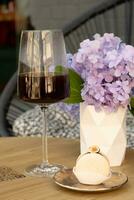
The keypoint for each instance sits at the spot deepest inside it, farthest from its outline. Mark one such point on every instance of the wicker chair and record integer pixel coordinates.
(10, 107)
(113, 16)
(110, 16)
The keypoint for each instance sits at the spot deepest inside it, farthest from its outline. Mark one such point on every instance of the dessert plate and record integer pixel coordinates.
(65, 178)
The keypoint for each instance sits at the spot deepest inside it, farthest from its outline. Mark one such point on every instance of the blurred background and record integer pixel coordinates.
(79, 19)
(30, 14)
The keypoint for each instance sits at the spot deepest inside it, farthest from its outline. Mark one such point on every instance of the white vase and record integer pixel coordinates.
(107, 130)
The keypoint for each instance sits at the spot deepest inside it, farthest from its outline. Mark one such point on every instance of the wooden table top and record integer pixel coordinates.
(18, 153)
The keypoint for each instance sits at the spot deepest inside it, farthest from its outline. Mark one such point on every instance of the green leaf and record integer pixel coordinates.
(131, 108)
(76, 84)
(60, 69)
(132, 102)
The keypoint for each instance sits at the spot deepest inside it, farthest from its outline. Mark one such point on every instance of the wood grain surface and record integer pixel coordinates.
(18, 153)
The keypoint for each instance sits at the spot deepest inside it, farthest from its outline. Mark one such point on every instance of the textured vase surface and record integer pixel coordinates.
(107, 130)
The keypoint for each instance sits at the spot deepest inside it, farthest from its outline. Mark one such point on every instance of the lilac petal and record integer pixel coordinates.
(109, 78)
(85, 43)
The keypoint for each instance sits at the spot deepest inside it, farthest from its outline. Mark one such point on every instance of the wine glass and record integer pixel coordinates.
(43, 79)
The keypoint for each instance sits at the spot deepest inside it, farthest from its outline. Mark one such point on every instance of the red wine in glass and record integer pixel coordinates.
(39, 82)
(43, 89)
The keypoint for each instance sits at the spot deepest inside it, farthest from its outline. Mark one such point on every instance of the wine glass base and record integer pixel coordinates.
(43, 170)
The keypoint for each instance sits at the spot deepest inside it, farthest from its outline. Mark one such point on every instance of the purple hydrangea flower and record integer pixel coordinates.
(107, 66)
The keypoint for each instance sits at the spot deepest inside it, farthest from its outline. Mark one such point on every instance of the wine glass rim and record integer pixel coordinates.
(51, 30)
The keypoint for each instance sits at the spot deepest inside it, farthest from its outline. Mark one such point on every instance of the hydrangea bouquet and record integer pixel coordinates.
(103, 73)
(102, 76)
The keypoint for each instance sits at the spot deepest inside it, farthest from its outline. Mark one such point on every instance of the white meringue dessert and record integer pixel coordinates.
(92, 168)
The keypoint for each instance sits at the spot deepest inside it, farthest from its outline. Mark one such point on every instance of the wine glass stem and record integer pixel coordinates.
(44, 136)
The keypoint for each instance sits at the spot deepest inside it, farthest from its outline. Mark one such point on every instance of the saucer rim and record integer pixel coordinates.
(102, 189)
